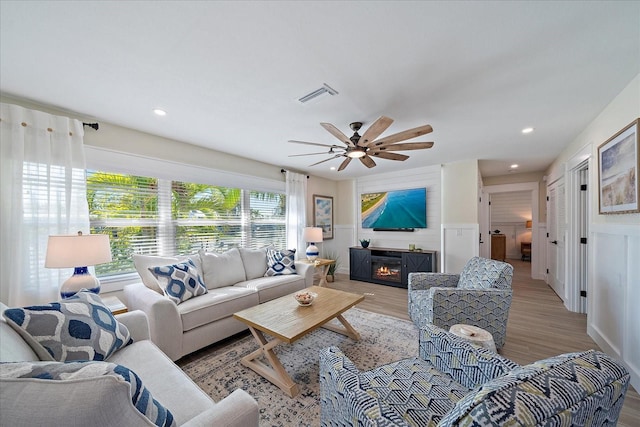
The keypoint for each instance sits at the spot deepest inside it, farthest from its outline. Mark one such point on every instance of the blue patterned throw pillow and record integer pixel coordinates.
(76, 372)
(78, 328)
(280, 262)
(180, 282)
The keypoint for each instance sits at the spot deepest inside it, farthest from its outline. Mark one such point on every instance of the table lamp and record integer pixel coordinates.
(312, 235)
(78, 252)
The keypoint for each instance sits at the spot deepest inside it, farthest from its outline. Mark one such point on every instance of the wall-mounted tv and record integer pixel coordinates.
(394, 210)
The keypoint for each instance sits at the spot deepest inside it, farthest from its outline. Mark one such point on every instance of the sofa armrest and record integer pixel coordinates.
(306, 270)
(425, 281)
(165, 323)
(469, 365)
(238, 409)
(137, 324)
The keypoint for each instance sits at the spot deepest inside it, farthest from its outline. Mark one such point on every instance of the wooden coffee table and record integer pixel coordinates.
(287, 321)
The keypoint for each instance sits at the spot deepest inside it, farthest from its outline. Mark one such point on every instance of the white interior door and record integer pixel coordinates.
(556, 216)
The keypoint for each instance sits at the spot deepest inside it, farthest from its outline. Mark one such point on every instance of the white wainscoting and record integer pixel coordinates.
(613, 296)
(460, 242)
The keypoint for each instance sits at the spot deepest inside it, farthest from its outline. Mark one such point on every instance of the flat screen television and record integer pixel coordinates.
(397, 210)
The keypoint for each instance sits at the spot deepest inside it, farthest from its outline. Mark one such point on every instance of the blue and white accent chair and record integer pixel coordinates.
(480, 296)
(454, 383)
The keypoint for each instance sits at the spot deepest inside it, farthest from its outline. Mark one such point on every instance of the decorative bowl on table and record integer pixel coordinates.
(305, 298)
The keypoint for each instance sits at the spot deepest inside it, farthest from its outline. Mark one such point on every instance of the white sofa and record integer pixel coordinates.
(235, 280)
(105, 400)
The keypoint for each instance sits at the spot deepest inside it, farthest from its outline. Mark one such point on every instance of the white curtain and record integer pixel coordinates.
(43, 192)
(296, 188)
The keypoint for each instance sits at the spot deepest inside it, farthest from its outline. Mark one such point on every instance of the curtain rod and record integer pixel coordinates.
(284, 170)
(91, 125)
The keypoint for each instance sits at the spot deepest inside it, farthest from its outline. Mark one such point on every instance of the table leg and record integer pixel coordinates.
(323, 276)
(274, 373)
(347, 329)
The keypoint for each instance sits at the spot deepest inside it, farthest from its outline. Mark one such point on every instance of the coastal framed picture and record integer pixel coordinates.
(618, 165)
(323, 215)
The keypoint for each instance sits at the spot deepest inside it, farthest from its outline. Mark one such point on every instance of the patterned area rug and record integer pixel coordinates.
(218, 372)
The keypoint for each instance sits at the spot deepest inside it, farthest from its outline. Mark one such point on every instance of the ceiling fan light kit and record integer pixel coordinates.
(365, 146)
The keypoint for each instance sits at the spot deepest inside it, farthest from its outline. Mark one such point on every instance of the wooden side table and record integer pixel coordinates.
(114, 304)
(324, 264)
(474, 335)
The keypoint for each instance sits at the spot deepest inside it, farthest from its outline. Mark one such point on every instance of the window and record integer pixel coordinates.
(153, 216)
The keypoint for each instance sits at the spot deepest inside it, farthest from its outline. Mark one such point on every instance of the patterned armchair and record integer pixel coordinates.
(480, 295)
(455, 383)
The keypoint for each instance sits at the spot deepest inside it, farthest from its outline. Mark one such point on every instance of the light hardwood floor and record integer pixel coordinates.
(539, 324)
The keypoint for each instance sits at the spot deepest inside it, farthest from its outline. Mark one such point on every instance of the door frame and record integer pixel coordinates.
(580, 161)
(506, 188)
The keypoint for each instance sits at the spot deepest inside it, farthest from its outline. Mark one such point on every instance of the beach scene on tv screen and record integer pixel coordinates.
(394, 209)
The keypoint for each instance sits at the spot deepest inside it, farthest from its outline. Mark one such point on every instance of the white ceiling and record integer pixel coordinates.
(229, 73)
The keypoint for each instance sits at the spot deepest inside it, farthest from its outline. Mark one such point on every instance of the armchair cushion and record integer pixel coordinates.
(179, 282)
(585, 388)
(31, 380)
(80, 327)
(482, 273)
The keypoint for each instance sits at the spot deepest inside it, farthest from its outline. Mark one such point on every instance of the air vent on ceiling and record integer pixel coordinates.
(318, 92)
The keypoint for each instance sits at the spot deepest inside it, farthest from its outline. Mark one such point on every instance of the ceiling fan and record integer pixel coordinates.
(367, 146)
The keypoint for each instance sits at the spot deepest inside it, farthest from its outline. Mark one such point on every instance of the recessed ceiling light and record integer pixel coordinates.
(332, 168)
(159, 112)
(514, 166)
(527, 130)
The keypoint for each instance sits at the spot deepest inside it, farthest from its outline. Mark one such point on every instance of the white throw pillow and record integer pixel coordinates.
(255, 262)
(144, 262)
(224, 269)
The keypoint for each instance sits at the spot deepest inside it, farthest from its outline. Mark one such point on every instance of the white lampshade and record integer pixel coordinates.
(78, 252)
(312, 235)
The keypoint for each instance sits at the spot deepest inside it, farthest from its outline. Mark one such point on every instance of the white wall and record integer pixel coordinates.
(460, 229)
(425, 177)
(613, 318)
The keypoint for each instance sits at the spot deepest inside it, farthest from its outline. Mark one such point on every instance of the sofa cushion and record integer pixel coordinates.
(13, 347)
(280, 262)
(144, 262)
(80, 375)
(224, 269)
(418, 392)
(180, 281)
(168, 383)
(216, 304)
(269, 288)
(78, 328)
(254, 261)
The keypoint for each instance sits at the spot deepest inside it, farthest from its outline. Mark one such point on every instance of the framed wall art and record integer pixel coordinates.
(323, 215)
(618, 165)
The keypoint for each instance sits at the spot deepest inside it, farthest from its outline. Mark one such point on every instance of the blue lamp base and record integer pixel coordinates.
(81, 279)
(312, 252)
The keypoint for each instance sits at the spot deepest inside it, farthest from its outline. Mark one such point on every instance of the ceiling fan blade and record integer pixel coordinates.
(402, 146)
(367, 161)
(344, 164)
(326, 160)
(337, 133)
(390, 156)
(375, 130)
(309, 154)
(401, 136)
(316, 144)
